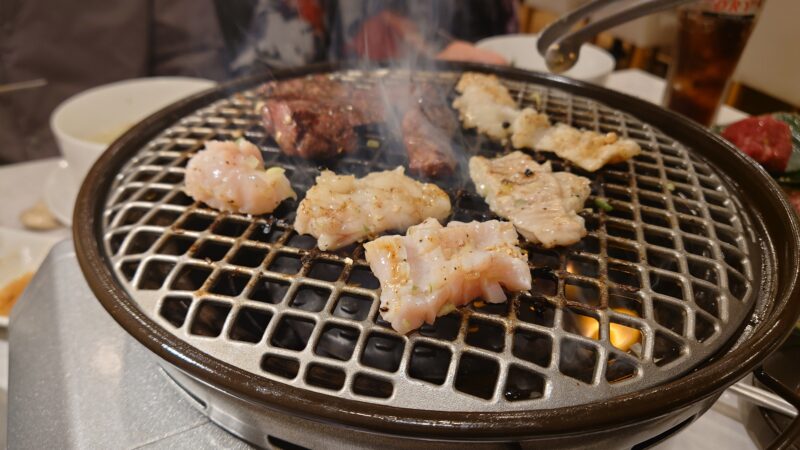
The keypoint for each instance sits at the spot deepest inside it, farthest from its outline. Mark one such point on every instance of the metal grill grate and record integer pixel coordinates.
(253, 293)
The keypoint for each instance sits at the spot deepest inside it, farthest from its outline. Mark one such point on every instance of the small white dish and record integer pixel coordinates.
(86, 123)
(594, 63)
(21, 252)
(60, 193)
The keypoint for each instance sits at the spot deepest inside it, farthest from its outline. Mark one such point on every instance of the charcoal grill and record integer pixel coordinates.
(245, 311)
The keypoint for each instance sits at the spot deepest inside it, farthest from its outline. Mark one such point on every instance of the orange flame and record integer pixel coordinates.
(621, 337)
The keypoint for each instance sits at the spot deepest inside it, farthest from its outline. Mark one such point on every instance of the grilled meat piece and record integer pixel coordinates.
(309, 128)
(230, 176)
(587, 149)
(312, 87)
(486, 104)
(434, 269)
(542, 205)
(314, 117)
(428, 126)
(341, 209)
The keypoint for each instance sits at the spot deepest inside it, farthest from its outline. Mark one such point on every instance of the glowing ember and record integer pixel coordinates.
(621, 337)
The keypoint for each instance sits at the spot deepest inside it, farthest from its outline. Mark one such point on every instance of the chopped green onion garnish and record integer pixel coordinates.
(670, 187)
(446, 309)
(537, 98)
(603, 204)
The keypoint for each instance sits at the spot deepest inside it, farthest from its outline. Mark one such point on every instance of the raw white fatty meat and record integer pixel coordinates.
(434, 269)
(230, 176)
(486, 104)
(541, 204)
(341, 209)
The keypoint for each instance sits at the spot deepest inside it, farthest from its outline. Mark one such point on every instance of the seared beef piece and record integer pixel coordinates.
(427, 145)
(363, 102)
(310, 87)
(310, 129)
(314, 117)
(428, 127)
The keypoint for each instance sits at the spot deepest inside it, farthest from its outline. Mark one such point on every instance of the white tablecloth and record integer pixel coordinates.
(22, 184)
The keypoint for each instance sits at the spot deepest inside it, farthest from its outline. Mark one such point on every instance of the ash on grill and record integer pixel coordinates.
(253, 293)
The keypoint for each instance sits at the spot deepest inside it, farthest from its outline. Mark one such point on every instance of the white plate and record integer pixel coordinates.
(21, 252)
(594, 63)
(60, 193)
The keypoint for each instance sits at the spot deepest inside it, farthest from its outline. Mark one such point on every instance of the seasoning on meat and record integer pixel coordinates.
(341, 209)
(587, 149)
(230, 176)
(486, 104)
(529, 127)
(541, 204)
(434, 269)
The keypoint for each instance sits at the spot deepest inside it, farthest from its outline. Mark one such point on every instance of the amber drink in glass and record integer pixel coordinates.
(711, 37)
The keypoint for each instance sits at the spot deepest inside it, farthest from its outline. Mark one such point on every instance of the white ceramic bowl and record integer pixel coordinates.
(87, 122)
(594, 63)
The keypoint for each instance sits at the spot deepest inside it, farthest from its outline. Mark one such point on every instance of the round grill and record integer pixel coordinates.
(253, 293)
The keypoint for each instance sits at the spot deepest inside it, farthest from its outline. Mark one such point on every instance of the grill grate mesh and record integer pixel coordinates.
(253, 293)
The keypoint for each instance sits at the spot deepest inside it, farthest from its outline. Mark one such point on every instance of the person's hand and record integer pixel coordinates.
(464, 51)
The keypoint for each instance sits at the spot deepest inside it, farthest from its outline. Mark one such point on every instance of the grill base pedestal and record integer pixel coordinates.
(75, 385)
(78, 380)
(266, 428)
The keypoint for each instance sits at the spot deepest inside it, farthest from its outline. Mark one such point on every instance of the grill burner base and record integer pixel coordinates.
(266, 428)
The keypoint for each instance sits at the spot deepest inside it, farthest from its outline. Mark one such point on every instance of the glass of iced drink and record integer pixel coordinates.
(711, 37)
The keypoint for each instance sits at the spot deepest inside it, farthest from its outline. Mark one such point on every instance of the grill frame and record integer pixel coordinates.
(701, 383)
(210, 277)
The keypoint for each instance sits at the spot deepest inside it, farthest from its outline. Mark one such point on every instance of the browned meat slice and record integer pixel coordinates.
(428, 126)
(310, 87)
(363, 103)
(314, 117)
(310, 129)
